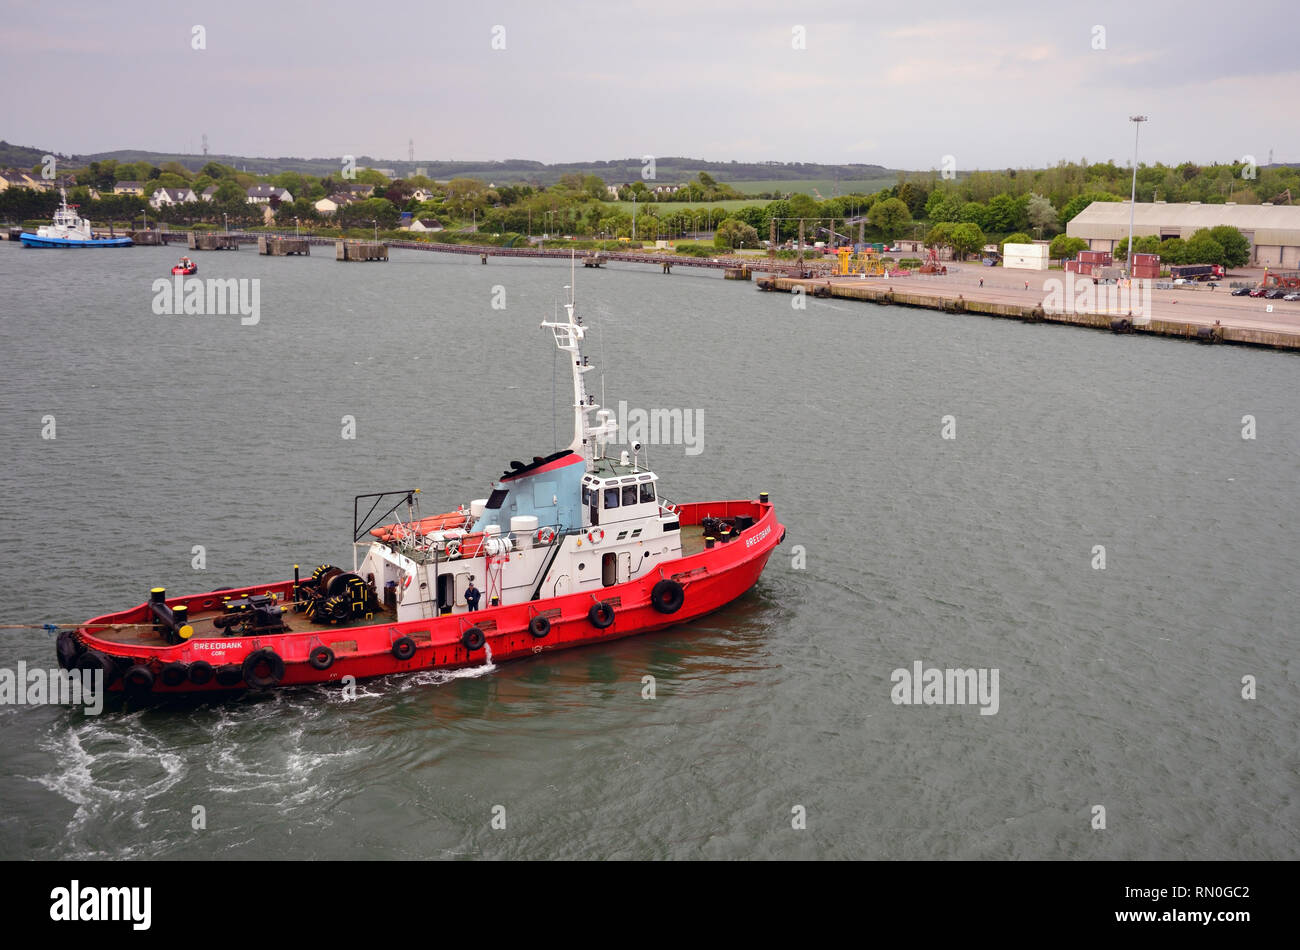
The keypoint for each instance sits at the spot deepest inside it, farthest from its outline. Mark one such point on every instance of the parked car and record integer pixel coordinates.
(1257, 292)
(1241, 292)
(1275, 294)
(1295, 295)
(1183, 280)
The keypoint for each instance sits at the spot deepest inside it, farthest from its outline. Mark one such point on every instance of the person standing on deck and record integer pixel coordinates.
(471, 595)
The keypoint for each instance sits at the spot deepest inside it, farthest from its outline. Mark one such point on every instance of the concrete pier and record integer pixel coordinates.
(147, 238)
(282, 247)
(360, 251)
(211, 241)
(737, 273)
(900, 294)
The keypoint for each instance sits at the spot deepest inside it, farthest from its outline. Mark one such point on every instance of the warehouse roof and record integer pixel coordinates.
(1264, 224)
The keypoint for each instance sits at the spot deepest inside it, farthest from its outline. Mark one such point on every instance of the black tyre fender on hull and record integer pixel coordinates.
(473, 639)
(94, 660)
(321, 658)
(201, 672)
(601, 615)
(667, 596)
(68, 650)
(539, 627)
(173, 674)
(403, 648)
(138, 679)
(274, 668)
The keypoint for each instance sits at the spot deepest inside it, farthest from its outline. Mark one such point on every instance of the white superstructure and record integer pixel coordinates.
(67, 224)
(572, 521)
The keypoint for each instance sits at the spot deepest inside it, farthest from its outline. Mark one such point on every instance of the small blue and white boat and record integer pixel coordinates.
(69, 229)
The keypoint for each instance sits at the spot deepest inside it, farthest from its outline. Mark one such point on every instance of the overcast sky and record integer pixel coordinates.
(993, 84)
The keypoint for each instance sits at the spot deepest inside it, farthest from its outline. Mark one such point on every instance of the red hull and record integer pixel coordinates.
(711, 579)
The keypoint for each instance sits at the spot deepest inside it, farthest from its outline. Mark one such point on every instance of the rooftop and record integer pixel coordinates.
(1271, 224)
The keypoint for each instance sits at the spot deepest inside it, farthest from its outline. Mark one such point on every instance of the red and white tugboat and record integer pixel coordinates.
(568, 549)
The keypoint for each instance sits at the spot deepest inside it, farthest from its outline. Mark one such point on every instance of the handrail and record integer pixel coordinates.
(407, 494)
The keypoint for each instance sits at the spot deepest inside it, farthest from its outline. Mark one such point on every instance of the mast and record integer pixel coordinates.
(588, 440)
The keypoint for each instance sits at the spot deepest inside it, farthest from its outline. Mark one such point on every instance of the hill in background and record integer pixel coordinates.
(669, 169)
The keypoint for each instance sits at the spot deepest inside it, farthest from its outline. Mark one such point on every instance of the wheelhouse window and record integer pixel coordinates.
(647, 491)
(629, 495)
(497, 498)
(586, 495)
(611, 497)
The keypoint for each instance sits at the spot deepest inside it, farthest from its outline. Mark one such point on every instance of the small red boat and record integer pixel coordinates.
(570, 549)
(186, 267)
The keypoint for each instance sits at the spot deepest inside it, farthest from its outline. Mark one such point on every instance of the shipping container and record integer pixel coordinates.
(1025, 250)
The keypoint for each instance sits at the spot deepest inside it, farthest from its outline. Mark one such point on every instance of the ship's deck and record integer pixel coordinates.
(692, 538)
(205, 629)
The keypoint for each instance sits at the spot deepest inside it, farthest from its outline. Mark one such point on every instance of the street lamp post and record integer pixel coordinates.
(634, 215)
(1137, 121)
(295, 227)
(226, 218)
(375, 222)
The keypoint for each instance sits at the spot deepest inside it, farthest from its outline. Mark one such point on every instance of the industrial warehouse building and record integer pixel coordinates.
(1272, 230)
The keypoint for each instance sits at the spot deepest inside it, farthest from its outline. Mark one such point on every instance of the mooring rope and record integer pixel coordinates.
(53, 627)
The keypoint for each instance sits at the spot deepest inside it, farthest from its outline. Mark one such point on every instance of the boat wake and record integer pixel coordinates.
(110, 774)
(442, 677)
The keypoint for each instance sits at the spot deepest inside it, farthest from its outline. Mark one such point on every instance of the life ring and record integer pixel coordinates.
(403, 648)
(321, 658)
(453, 548)
(173, 674)
(545, 535)
(406, 583)
(258, 658)
(667, 597)
(473, 639)
(601, 615)
(138, 679)
(539, 627)
(200, 672)
(595, 537)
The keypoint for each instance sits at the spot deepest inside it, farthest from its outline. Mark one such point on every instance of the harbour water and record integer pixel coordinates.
(1119, 687)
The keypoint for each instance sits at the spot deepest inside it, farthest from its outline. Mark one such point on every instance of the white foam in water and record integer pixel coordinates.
(107, 783)
(440, 677)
